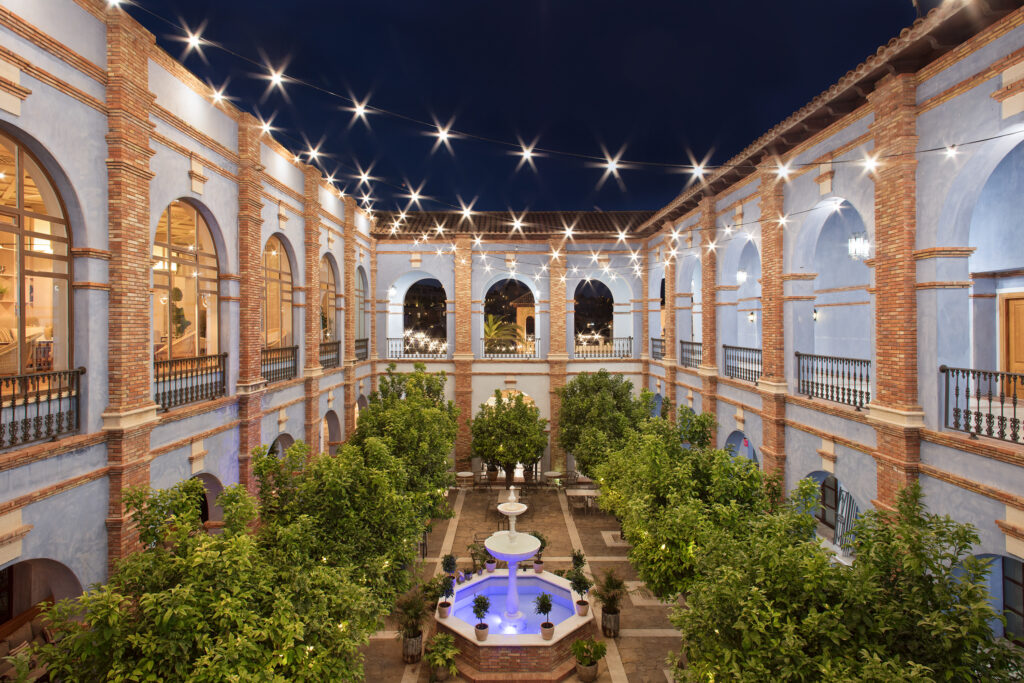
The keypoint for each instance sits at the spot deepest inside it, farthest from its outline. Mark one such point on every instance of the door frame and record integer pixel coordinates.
(1004, 300)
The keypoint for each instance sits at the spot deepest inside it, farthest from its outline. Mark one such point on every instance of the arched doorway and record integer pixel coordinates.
(25, 584)
(330, 433)
(361, 405)
(359, 309)
(508, 309)
(425, 322)
(210, 513)
(739, 445)
(837, 512)
(593, 321)
(842, 311)
(281, 444)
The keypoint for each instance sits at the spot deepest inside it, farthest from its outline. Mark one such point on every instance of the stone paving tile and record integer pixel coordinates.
(644, 658)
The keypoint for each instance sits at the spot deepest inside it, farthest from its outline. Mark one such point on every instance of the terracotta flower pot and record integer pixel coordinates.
(491, 566)
(610, 624)
(547, 630)
(587, 673)
(538, 567)
(492, 475)
(481, 631)
(582, 608)
(443, 609)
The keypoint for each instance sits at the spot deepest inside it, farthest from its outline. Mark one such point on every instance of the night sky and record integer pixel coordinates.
(664, 78)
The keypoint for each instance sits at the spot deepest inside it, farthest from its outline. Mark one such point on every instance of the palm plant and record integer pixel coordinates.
(499, 334)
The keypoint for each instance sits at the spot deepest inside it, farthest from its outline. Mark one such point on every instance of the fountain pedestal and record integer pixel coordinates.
(512, 547)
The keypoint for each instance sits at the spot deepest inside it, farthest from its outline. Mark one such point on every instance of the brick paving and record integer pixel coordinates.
(638, 655)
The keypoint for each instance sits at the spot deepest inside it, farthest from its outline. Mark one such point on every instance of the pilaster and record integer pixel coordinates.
(464, 351)
(311, 241)
(349, 340)
(709, 317)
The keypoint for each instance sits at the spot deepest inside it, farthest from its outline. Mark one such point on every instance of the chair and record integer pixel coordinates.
(577, 503)
(571, 478)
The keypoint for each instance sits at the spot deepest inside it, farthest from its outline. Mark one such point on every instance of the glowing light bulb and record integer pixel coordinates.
(277, 78)
(218, 96)
(477, 240)
(313, 153)
(194, 40)
(698, 171)
(783, 170)
(951, 151)
(870, 163)
(517, 224)
(442, 135)
(622, 236)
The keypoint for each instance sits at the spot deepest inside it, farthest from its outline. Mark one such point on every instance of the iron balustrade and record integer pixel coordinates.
(362, 349)
(690, 353)
(330, 354)
(657, 348)
(407, 347)
(619, 347)
(39, 406)
(509, 348)
(180, 381)
(280, 364)
(843, 380)
(984, 402)
(742, 363)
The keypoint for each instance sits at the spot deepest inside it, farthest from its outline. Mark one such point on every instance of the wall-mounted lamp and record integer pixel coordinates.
(815, 315)
(741, 276)
(858, 246)
(751, 317)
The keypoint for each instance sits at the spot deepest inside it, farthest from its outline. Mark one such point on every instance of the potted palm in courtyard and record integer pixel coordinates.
(610, 591)
(538, 561)
(411, 612)
(481, 603)
(588, 653)
(542, 606)
(447, 592)
(441, 653)
(581, 584)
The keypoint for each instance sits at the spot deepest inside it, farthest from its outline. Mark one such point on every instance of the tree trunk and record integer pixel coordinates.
(510, 476)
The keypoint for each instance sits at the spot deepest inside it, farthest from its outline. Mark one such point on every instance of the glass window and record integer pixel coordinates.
(360, 305)
(35, 268)
(829, 500)
(1013, 599)
(185, 279)
(277, 296)
(328, 302)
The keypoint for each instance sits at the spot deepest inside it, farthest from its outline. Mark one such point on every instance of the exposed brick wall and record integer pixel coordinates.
(773, 358)
(557, 366)
(464, 401)
(463, 351)
(311, 242)
(348, 342)
(708, 284)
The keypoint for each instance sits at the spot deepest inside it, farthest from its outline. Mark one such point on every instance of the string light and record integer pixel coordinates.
(870, 163)
(783, 170)
(313, 153)
(477, 240)
(218, 94)
(951, 152)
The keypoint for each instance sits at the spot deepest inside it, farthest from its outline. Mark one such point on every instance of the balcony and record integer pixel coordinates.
(507, 348)
(330, 354)
(180, 381)
(280, 364)
(842, 380)
(416, 346)
(742, 363)
(657, 348)
(362, 349)
(983, 402)
(39, 406)
(690, 354)
(597, 346)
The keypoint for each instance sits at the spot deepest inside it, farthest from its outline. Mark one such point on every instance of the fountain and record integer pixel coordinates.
(515, 643)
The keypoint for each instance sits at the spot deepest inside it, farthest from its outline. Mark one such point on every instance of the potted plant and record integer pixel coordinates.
(441, 653)
(410, 613)
(579, 560)
(448, 565)
(610, 591)
(538, 560)
(588, 653)
(581, 584)
(490, 563)
(447, 593)
(480, 556)
(492, 471)
(542, 605)
(481, 603)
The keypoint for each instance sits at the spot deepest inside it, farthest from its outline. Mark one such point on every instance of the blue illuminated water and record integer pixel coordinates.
(495, 587)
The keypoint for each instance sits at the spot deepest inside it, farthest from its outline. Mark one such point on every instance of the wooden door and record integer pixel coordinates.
(1013, 342)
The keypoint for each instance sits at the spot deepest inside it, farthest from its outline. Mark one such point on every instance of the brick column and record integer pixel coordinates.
(463, 356)
(772, 385)
(894, 409)
(669, 331)
(131, 412)
(558, 355)
(349, 339)
(251, 385)
(708, 369)
(312, 369)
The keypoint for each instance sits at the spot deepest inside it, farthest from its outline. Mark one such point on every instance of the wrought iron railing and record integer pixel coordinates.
(39, 406)
(501, 348)
(362, 349)
(280, 364)
(657, 348)
(412, 347)
(690, 353)
(843, 380)
(330, 354)
(742, 363)
(180, 381)
(984, 402)
(618, 347)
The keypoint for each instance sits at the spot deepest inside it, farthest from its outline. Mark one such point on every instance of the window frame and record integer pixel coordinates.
(284, 268)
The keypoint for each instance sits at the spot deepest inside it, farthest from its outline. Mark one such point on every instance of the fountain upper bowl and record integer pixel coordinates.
(521, 547)
(512, 509)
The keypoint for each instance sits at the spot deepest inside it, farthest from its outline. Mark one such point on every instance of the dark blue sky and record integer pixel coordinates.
(662, 77)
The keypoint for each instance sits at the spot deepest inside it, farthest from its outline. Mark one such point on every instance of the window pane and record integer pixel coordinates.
(286, 324)
(10, 328)
(39, 196)
(273, 314)
(208, 331)
(160, 341)
(183, 226)
(184, 329)
(1012, 569)
(1014, 625)
(1012, 597)
(46, 317)
(8, 174)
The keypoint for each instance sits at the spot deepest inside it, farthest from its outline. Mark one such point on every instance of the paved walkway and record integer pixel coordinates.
(646, 638)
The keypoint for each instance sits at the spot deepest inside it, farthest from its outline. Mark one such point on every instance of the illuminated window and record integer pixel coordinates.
(184, 285)
(362, 328)
(35, 267)
(328, 302)
(277, 296)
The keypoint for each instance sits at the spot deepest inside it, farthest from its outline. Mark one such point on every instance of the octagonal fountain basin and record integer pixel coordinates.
(494, 587)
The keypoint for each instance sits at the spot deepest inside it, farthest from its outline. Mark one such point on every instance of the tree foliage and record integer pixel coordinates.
(598, 410)
(509, 431)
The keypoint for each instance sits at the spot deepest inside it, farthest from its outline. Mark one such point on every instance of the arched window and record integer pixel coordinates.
(184, 285)
(35, 268)
(592, 318)
(277, 296)
(829, 503)
(328, 302)
(362, 331)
